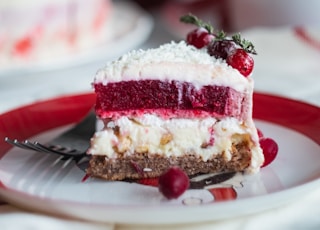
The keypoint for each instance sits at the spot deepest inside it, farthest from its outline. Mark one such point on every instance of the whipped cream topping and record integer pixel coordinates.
(174, 61)
(174, 137)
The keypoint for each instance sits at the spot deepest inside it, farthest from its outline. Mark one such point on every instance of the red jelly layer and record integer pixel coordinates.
(168, 99)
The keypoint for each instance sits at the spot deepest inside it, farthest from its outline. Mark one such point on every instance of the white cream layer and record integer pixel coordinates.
(173, 137)
(174, 61)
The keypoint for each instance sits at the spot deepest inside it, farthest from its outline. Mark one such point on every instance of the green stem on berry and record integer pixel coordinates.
(220, 35)
(244, 44)
(194, 20)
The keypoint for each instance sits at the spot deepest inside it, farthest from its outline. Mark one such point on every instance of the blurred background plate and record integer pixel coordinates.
(131, 26)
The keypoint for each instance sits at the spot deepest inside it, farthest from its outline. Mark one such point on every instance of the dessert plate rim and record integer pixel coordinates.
(66, 110)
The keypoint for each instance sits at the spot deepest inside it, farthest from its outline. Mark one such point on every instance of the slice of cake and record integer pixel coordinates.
(175, 105)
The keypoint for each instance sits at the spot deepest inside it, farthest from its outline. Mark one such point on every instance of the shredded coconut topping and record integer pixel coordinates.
(172, 61)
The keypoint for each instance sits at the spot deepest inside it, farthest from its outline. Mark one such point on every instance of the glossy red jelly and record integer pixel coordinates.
(168, 99)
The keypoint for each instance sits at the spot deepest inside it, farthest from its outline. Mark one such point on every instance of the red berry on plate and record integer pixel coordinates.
(221, 48)
(199, 37)
(173, 183)
(242, 61)
(270, 150)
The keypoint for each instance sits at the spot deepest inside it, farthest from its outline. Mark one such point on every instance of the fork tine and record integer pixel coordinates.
(12, 142)
(80, 158)
(35, 146)
(16, 143)
(51, 150)
(24, 144)
(29, 145)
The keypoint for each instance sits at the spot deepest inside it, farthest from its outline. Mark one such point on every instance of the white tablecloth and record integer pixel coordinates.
(286, 65)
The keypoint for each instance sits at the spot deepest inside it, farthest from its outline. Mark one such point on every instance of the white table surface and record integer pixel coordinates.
(286, 66)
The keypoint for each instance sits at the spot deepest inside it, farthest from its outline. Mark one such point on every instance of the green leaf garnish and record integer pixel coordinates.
(244, 44)
(194, 20)
(220, 35)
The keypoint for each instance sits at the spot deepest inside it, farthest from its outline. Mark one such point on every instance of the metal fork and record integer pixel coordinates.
(71, 144)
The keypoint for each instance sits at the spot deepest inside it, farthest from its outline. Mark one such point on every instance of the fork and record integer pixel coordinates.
(71, 144)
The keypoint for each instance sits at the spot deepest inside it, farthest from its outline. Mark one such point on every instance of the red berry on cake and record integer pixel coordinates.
(202, 35)
(269, 149)
(173, 183)
(234, 49)
(242, 61)
(199, 37)
(221, 48)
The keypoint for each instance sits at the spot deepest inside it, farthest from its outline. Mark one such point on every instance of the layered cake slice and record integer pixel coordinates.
(176, 105)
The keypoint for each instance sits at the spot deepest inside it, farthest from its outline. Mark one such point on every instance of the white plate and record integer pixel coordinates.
(41, 182)
(130, 27)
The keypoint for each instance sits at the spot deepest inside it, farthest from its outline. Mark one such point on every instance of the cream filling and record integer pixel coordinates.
(174, 137)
